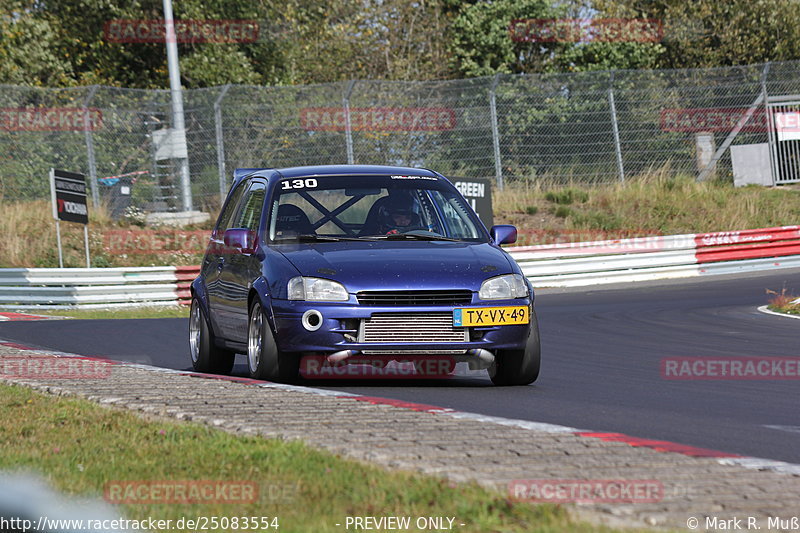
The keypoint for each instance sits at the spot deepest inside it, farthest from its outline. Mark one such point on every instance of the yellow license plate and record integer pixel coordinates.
(490, 316)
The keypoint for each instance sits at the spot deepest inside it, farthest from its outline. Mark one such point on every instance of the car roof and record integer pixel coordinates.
(332, 170)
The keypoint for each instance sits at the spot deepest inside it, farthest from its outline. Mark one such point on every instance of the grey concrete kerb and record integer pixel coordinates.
(442, 442)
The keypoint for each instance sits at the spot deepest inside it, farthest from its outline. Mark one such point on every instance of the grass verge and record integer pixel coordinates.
(652, 204)
(29, 239)
(119, 312)
(781, 302)
(655, 203)
(79, 447)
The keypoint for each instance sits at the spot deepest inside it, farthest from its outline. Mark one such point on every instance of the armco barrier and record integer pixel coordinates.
(94, 287)
(658, 257)
(184, 276)
(547, 265)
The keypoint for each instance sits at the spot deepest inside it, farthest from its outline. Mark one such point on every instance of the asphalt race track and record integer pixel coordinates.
(602, 351)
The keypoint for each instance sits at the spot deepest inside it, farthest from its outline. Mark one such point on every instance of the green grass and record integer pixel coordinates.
(120, 312)
(567, 196)
(562, 211)
(79, 447)
(655, 203)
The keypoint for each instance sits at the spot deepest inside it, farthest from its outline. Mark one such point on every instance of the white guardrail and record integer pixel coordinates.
(576, 264)
(547, 265)
(22, 288)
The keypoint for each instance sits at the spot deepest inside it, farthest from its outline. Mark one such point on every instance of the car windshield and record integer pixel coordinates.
(370, 208)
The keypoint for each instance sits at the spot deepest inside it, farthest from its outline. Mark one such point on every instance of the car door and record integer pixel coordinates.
(241, 268)
(216, 255)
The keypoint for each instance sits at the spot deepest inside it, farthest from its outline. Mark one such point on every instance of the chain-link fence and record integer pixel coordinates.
(588, 127)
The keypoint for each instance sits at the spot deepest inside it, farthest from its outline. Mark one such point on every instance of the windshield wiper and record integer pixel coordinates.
(413, 236)
(310, 237)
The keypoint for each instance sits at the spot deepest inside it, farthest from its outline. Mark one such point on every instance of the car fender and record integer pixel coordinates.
(198, 289)
(260, 290)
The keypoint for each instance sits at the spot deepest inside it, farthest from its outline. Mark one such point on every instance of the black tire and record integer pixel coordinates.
(264, 360)
(206, 356)
(519, 367)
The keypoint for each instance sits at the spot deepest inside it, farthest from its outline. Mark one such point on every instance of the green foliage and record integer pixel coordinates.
(710, 33)
(531, 210)
(601, 220)
(608, 56)
(218, 64)
(29, 53)
(481, 43)
(567, 196)
(562, 211)
(63, 43)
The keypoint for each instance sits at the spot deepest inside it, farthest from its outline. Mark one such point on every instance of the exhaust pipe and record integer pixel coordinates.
(485, 359)
(341, 356)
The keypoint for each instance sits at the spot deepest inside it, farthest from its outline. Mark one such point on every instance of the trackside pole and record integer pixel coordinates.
(86, 243)
(58, 240)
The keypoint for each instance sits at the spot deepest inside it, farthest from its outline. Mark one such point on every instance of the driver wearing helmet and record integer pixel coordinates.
(399, 215)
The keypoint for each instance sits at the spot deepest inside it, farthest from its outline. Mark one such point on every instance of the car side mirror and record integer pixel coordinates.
(241, 239)
(504, 234)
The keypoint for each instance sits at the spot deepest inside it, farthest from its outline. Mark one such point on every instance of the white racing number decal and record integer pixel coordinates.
(308, 183)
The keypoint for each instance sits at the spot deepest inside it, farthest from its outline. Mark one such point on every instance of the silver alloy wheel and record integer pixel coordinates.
(254, 338)
(194, 331)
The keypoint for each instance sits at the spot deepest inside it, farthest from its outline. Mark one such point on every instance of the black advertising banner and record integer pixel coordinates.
(478, 192)
(68, 191)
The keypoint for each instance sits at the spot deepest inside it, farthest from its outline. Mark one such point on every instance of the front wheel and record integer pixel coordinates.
(519, 367)
(206, 356)
(264, 360)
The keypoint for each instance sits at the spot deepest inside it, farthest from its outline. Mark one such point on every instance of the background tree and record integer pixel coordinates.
(710, 33)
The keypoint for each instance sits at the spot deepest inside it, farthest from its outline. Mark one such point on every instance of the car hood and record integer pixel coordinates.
(401, 265)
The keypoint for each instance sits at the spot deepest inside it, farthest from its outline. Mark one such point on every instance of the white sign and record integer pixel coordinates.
(787, 125)
(170, 144)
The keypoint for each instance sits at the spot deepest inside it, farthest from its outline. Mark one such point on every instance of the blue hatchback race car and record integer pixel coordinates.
(343, 262)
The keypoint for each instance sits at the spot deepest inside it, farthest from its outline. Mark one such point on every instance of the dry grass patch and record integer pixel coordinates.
(655, 203)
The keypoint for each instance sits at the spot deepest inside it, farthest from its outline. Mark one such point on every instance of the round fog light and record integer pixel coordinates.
(312, 320)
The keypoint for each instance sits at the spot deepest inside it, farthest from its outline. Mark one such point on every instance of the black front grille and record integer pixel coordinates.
(453, 297)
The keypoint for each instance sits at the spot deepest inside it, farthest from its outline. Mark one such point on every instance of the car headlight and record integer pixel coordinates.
(503, 288)
(317, 290)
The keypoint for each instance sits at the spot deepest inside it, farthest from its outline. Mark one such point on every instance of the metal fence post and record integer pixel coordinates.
(87, 132)
(498, 166)
(615, 126)
(223, 190)
(771, 146)
(348, 130)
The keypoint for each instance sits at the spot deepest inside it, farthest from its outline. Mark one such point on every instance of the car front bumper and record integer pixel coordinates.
(341, 322)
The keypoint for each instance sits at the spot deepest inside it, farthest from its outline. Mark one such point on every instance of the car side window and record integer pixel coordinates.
(455, 216)
(230, 208)
(250, 213)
